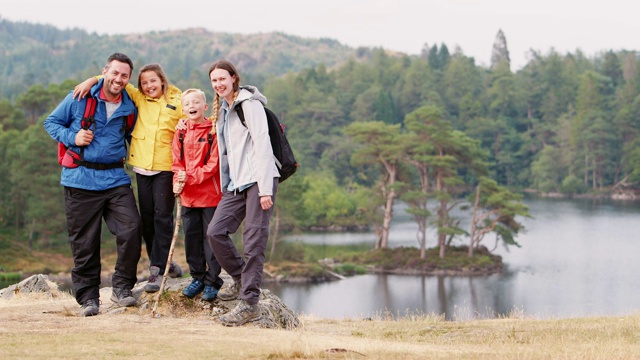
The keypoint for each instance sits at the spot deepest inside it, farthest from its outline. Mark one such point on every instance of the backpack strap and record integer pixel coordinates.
(127, 126)
(210, 141)
(88, 122)
(241, 114)
(181, 140)
(127, 123)
(99, 166)
(88, 119)
(130, 120)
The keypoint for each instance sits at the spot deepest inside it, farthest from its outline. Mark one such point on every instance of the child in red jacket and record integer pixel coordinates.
(196, 176)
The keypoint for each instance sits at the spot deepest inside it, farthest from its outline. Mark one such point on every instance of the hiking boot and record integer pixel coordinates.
(231, 292)
(175, 271)
(90, 307)
(193, 289)
(209, 293)
(155, 280)
(241, 314)
(122, 297)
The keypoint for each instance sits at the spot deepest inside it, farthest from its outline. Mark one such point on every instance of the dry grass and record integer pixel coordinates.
(36, 327)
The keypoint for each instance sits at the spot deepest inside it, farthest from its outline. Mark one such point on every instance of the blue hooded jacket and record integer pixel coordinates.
(108, 145)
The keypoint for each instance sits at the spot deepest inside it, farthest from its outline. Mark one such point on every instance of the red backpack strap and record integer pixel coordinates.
(88, 120)
(130, 119)
(127, 124)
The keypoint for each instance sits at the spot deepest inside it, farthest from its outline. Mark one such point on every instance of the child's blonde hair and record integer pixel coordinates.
(197, 91)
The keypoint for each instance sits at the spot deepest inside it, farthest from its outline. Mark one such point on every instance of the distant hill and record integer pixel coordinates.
(42, 54)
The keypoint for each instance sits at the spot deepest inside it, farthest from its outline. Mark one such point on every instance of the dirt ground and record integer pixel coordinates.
(47, 326)
(35, 326)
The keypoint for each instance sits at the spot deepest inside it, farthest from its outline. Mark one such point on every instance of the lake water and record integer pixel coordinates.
(579, 258)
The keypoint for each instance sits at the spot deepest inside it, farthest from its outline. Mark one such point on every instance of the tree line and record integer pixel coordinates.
(454, 141)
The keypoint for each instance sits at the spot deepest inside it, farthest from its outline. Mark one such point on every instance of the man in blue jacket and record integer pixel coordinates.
(97, 187)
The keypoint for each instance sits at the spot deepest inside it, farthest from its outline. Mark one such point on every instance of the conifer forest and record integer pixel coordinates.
(459, 144)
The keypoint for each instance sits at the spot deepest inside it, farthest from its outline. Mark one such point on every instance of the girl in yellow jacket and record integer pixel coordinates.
(159, 109)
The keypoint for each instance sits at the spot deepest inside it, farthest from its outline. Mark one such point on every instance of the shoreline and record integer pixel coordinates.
(64, 279)
(627, 195)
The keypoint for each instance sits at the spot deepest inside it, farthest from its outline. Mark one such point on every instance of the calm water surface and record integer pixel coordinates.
(579, 258)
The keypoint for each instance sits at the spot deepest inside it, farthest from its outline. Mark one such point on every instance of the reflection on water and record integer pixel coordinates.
(578, 259)
(397, 295)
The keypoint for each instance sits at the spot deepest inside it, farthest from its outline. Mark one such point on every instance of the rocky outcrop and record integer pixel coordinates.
(275, 313)
(36, 284)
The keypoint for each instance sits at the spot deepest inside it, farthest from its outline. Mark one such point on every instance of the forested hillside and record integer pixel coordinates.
(369, 128)
(41, 54)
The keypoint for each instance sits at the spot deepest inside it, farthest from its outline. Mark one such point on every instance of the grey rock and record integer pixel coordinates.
(34, 284)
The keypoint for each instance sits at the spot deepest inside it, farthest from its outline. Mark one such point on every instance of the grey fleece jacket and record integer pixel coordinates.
(246, 155)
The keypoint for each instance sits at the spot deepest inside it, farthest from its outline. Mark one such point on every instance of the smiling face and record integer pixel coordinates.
(194, 104)
(116, 77)
(223, 83)
(151, 84)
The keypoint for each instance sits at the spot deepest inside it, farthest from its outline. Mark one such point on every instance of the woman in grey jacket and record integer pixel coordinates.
(248, 175)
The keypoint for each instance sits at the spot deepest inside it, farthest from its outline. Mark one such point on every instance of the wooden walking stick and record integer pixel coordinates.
(173, 245)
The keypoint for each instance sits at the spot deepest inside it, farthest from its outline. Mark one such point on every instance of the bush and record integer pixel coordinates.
(350, 269)
(289, 251)
(572, 185)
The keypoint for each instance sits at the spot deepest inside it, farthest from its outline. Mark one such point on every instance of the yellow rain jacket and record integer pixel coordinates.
(154, 129)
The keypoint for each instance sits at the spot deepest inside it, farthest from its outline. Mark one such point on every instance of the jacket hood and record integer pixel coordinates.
(206, 124)
(250, 92)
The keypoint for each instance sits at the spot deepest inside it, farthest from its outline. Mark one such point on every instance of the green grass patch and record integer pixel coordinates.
(316, 252)
(311, 271)
(299, 260)
(9, 276)
(296, 259)
(408, 258)
(350, 269)
(16, 256)
(297, 251)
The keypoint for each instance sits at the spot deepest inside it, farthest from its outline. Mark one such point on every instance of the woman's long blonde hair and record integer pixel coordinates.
(225, 65)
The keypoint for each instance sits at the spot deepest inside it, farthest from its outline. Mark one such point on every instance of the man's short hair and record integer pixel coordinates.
(122, 58)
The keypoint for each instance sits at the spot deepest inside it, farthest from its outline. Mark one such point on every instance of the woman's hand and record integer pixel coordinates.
(266, 202)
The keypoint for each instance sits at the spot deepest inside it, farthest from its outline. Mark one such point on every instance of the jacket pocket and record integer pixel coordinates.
(137, 133)
(166, 137)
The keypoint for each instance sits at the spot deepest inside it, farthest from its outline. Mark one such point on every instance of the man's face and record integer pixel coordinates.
(116, 77)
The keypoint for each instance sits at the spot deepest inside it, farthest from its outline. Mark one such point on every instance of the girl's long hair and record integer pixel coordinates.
(158, 70)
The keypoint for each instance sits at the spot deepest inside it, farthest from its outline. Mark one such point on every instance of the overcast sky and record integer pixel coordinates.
(402, 25)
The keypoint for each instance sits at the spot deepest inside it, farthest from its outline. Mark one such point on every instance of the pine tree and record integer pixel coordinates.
(380, 144)
(612, 68)
(500, 52)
